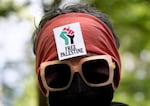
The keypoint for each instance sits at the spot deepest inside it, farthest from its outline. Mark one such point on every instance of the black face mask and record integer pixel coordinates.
(80, 94)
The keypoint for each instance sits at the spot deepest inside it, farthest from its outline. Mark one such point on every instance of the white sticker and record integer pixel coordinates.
(69, 41)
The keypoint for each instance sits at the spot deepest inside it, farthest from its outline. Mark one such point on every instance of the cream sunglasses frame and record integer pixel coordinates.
(105, 57)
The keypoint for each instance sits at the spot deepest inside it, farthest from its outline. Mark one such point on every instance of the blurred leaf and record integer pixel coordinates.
(29, 96)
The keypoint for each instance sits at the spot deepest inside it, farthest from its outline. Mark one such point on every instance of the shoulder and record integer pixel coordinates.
(118, 104)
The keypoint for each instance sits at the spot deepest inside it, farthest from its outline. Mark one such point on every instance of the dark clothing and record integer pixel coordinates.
(118, 104)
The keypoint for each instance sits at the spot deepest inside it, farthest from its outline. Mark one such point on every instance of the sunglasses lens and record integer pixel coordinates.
(58, 75)
(96, 71)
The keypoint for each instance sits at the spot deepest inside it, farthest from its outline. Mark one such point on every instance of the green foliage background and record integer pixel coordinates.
(131, 22)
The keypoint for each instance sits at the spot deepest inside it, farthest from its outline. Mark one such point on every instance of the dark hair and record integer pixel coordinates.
(79, 8)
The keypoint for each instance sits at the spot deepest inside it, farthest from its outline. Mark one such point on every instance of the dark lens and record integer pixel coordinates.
(96, 71)
(58, 75)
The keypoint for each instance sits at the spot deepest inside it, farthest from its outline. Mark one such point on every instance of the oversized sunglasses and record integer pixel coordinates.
(96, 71)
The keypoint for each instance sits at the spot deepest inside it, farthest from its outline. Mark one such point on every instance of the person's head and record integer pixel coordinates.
(77, 59)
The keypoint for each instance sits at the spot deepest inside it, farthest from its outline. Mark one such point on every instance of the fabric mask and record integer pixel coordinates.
(80, 94)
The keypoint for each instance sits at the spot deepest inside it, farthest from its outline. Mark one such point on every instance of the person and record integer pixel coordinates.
(77, 57)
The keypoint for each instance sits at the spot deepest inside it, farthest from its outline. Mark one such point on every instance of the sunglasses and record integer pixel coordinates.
(96, 71)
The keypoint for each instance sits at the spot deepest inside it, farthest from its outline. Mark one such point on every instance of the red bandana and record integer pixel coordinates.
(97, 37)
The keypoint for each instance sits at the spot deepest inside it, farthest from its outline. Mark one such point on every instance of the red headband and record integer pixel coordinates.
(97, 37)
